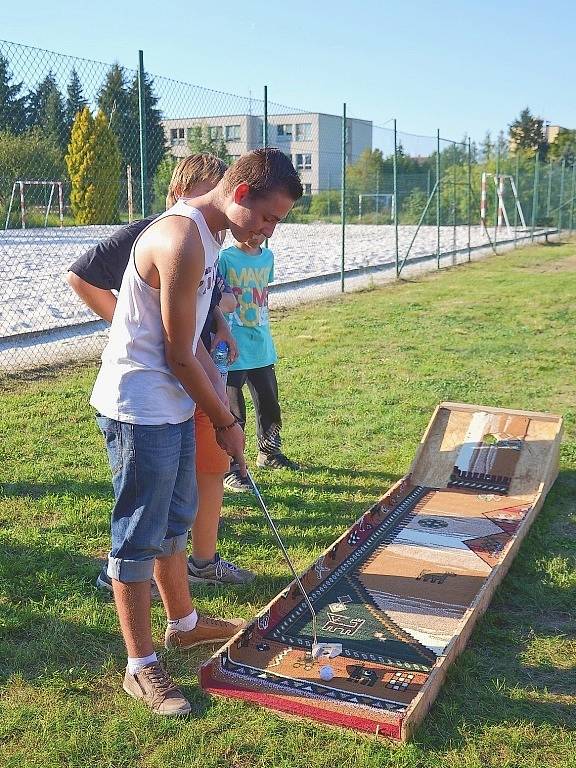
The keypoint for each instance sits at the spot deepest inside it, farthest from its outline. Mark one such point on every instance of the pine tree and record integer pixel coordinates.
(54, 120)
(107, 171)
(527, 133)
(114, 102)
(79, 160)
(473, 152)
(502, 145)
(94, 166)
(75, 101)
(46, 110)
(12, 105)
(155, 137)
(486, 148)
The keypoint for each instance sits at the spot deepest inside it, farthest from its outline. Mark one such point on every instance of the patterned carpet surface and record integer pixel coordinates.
(395, 590)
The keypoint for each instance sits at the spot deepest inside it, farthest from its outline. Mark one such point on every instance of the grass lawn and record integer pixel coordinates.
(359, 380)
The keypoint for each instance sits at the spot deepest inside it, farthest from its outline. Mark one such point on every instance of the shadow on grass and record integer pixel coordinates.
(553, 243)
(53, 624)
(58, 487)
(46, 593)
(329, 480)
(491, 687)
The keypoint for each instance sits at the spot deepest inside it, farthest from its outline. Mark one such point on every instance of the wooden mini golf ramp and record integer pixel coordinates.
(403, 587)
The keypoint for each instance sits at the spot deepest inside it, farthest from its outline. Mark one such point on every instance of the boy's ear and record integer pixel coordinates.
(241, 192)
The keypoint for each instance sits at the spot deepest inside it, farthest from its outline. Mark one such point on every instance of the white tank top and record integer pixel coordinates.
(134, 383)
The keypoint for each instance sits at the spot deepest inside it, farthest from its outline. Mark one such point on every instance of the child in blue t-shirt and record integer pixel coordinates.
(249, 268)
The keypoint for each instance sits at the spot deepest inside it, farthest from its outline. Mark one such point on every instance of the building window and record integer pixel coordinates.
(284, 130)
(303, 131)
(215, 132)
(176, 136)
(232, 132)
(307, 189)
(303, 162)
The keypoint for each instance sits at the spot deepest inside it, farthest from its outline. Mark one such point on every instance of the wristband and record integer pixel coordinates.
(227, 427)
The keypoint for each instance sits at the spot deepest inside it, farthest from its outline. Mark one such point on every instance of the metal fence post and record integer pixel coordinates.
(129, 193)
(561, 201)
(438, 198)
(265, 132)
(469, 201)
(496, 200)
(454, 208)
(535, 193)
(572, 193)
(516, 206)
(549, 194)
(343, 198)
(395, 183)
(143, 137)
(265, 124)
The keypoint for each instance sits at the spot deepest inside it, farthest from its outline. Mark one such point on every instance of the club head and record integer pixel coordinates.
(326, 650)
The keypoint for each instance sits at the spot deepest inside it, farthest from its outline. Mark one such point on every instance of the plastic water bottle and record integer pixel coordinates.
(220, 357)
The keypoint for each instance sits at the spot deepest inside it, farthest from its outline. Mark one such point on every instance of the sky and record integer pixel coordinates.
(463, 67)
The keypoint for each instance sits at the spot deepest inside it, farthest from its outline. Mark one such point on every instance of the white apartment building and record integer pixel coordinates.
(312, 140)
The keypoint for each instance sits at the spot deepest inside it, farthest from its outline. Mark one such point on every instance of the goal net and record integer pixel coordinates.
(51, 190)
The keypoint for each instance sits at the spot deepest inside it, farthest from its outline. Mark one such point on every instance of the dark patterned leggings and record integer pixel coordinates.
(263, 388)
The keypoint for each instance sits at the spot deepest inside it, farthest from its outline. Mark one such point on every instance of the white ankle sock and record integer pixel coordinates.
(136, 664)
(186, 623)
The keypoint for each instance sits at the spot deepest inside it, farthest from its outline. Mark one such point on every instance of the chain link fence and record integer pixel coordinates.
(86, 147)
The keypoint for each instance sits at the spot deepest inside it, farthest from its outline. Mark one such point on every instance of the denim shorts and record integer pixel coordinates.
(154, 480)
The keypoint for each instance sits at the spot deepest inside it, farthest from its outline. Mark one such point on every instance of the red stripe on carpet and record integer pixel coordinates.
(283, 704)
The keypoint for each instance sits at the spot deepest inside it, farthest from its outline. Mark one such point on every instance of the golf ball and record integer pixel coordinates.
(326, 672)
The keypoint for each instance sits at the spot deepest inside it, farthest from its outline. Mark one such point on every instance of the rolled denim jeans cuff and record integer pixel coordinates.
(174, 545)
(130, 570)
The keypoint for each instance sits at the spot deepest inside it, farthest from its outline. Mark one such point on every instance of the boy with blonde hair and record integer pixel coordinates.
(93, 277)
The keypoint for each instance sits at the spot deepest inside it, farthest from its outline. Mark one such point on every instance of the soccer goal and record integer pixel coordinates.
(381, 202)
(500, 180)
(20, 186)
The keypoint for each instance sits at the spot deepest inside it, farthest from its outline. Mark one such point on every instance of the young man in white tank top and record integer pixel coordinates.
(152, 375)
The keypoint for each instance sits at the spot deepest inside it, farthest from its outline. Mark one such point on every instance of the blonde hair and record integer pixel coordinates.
(193, 170)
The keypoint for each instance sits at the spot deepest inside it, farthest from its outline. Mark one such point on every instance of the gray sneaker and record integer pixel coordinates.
(153, 686)
(105, 582)
(218, 572)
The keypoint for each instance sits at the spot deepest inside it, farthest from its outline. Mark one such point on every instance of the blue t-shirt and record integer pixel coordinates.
(249, 277)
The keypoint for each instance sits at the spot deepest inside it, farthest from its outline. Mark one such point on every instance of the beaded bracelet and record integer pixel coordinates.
(227, 427)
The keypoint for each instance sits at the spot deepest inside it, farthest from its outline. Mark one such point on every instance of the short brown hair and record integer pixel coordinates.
(264, 170)
(193, 170)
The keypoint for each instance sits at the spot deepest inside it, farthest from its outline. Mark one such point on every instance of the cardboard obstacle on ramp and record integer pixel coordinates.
(403, 587)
